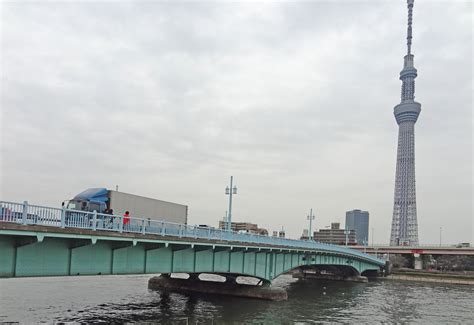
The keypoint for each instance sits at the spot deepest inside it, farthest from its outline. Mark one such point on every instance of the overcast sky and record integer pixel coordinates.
(168, 99)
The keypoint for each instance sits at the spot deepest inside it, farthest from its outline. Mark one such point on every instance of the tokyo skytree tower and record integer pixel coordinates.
(404, 221)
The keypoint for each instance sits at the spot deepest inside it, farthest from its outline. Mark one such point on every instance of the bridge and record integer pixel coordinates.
(47, 241)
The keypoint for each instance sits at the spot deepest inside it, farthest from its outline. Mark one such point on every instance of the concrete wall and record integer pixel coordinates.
(140, 207)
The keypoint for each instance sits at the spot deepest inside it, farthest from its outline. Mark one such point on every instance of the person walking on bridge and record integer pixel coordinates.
(126, 219)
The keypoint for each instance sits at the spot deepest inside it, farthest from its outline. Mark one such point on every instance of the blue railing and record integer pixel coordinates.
(27, 214)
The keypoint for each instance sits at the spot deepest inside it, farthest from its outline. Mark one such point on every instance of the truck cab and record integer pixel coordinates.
(92, 199)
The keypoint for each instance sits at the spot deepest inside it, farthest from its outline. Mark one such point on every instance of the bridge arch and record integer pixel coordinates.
(267, 264)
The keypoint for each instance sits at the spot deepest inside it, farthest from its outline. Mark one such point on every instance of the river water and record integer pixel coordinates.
(119, 299)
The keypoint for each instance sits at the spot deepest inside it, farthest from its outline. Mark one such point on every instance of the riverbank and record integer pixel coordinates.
(432, 276)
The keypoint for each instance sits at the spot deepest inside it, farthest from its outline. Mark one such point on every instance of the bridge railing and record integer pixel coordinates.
(420, 245)
(27, 214)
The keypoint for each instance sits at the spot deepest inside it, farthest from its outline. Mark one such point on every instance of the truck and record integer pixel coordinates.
(102, 199)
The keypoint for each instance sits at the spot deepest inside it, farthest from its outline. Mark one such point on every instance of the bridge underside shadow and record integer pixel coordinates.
(333, 272)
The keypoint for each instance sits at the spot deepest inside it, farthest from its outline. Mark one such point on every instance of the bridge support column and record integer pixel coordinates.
(418, 262)
(230, 279)
(230, 287)
(194, 277)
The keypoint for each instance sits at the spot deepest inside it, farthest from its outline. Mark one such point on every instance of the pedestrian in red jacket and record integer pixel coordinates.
(126, 218)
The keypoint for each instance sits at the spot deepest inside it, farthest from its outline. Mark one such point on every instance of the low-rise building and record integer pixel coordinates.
(282, 233)
(244, 226)
(335, 235)
(305, 235)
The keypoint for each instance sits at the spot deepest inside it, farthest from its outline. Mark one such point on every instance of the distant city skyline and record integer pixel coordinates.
(168, 100)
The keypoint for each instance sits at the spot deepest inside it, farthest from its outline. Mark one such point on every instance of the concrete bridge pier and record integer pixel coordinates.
(193, 277)
(418, 261)
(262, 290)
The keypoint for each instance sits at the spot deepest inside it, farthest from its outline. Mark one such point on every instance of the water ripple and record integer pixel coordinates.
(126, 299)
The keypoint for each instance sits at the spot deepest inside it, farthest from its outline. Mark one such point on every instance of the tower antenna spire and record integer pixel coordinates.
(409, 29)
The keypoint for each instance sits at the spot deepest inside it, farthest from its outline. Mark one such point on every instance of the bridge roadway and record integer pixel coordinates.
(422, 250)
(44, 241)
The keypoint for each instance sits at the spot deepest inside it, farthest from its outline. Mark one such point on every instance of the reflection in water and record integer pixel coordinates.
(330, 296)
(190, 306)
(119, 299)
(396, 305)
(164, 305)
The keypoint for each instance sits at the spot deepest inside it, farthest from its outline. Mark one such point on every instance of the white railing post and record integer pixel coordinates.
(121, 224)
(94, 220)
(25, 212)
(63, 217)
(143, 226)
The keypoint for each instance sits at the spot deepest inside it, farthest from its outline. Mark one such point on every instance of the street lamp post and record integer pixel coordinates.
(365, 242)
(440, 231)
(225, 221)
(229, 191)
(347, 232)
(372, 236)
(310, 218)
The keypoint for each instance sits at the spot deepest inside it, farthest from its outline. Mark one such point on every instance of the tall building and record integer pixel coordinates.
(335, 235)
(358, 220)
(404, 221)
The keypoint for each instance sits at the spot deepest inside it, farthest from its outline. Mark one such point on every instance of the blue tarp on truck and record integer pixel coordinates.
(93, 195)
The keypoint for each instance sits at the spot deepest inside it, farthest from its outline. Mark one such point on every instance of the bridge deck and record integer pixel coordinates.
(39, 231)
(429, 250)
(22, 216)
(42, 241)
(34, 250)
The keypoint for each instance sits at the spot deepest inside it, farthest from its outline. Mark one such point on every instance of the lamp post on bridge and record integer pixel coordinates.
(310, 218)
(347, 232)
(225, 221)
(229, 191)
(440, 231)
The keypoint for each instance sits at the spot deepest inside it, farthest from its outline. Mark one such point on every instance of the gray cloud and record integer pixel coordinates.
(294, 99)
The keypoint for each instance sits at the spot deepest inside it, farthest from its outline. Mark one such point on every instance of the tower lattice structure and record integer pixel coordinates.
(404, 221)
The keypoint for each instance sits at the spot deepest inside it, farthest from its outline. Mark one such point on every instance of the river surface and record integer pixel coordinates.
(126, 299)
